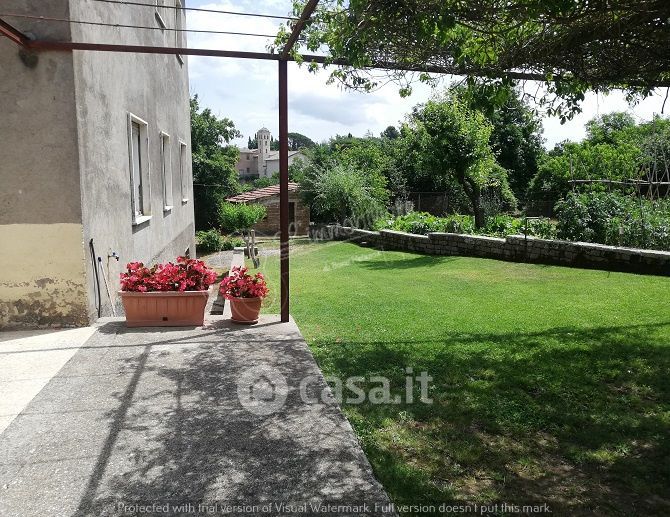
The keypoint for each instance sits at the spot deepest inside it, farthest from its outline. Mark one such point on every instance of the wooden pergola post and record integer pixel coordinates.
(283, 190)
(283, 157)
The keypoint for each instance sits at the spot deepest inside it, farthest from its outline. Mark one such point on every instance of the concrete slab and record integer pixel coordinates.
(179, 416)
(29, 360)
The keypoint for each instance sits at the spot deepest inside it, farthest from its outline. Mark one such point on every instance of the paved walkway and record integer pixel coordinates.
(28, 361)
(154, 416)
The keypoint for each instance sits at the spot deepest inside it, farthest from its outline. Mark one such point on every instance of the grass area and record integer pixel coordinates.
(550, 384)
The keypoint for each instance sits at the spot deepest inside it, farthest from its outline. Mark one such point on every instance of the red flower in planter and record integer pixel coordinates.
(186, 275)
(240, 284)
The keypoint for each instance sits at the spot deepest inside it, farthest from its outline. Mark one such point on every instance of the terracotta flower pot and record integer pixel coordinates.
(245, 310)
(164, 308)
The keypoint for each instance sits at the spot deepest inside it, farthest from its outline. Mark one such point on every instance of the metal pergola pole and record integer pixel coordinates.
(284, 57)
(283, 189)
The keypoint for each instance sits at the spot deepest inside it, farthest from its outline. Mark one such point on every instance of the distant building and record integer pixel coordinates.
(298, 212)
(262, 162)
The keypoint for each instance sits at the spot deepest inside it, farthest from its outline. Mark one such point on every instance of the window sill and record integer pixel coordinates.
(184, 201)
(141, 220)
(167, 209)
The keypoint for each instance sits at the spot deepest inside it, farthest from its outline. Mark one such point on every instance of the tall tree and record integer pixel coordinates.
(516, 137)
(298, 141)
(448, 141)
(604, 128)
(214, 174)
(390, 132)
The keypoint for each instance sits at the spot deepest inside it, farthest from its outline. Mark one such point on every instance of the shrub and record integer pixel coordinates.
(542, 228)
(209, 241)
(421, 223)
(230, 243)
(459, 224)
(337, 193)
(614, 219)
(500, 225)
(239, 217)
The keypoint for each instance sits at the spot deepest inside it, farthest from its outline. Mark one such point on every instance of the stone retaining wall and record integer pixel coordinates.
(516, 248)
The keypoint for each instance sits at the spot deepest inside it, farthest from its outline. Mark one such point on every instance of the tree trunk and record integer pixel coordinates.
(474, 193)
(480, 220)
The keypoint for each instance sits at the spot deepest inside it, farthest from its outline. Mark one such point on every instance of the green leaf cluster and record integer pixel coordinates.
(240, 217)
(214, 174)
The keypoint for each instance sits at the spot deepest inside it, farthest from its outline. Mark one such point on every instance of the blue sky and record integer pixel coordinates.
(246, 90)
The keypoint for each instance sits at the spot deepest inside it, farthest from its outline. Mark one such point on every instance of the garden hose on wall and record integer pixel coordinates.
(97, 299)
(104, 278)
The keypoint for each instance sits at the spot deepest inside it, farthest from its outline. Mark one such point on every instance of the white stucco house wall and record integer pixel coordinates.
(96, 160)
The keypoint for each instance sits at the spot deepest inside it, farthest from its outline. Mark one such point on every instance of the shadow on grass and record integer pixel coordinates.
(578, 418)
(403, 262)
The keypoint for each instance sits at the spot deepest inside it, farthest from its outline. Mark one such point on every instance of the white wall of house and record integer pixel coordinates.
(42, 257)
(68, 161)
(116, 93)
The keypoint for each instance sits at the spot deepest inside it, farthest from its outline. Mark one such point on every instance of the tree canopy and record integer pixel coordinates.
(214, 174)
(615, 149)
(298, 141)
(516, 137)
(571, 45)
(450, 142)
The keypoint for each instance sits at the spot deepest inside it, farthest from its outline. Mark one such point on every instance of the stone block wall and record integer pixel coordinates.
(516, 248)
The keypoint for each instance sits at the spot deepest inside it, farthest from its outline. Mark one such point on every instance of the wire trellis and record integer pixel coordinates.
(127, 26)
(197, 9)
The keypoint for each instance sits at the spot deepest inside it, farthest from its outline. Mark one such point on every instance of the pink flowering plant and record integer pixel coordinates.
(186, 275)
(240, 284)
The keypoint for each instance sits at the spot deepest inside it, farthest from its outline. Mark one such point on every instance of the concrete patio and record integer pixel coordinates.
(136, 418)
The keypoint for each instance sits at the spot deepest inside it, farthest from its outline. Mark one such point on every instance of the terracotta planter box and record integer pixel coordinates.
(245, 310)
(164, 308)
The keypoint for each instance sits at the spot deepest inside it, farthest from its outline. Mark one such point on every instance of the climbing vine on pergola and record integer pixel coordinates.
(570, 45)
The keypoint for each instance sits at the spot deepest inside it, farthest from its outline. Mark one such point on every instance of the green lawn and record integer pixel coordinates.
(550, 384)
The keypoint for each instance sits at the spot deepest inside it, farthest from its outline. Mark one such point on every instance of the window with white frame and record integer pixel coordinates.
(166, 171)
(140, 192)
(161, 13)
(183, 172)
(179, 26)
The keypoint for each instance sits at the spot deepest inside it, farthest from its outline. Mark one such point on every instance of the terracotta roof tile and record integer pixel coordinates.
(261, 193)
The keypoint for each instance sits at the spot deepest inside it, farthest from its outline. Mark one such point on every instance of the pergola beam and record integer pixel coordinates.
(13, 34)
(46, 45)
(297, 28)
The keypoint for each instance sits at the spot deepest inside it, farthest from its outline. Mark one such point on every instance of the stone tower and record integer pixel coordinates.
(263, 138)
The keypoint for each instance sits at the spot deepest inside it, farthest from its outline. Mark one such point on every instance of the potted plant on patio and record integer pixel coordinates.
(167, 294)
(245, 293)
